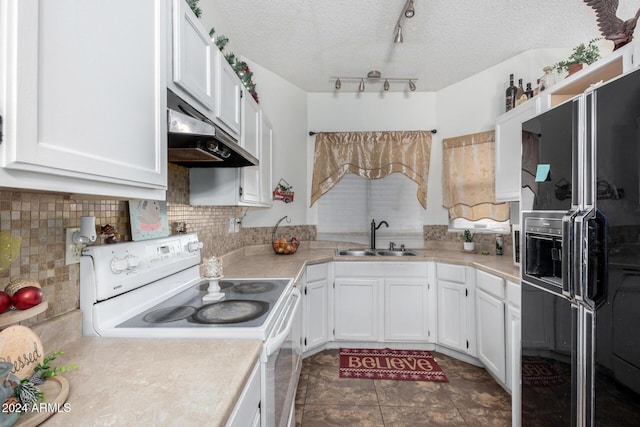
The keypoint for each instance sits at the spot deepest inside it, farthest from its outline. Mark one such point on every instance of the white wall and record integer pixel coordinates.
(366, 111)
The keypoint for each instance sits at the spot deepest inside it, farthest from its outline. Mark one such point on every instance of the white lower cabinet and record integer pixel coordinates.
(490, 316)
(492, 324)
(316, 306)
(246, 413)
(385, 301)
(356, 308)
(456, 307)
(406, 309)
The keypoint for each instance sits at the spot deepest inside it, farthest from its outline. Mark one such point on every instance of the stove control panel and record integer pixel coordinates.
(121, 267)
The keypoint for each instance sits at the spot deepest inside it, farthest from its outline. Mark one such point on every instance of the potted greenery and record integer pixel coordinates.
(582, 54)
(469, 246)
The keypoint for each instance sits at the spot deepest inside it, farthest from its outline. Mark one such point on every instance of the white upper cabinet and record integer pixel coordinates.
(508, 150)
(229, 93)
(250, 141)
(266, 144)
(193, 56)
(83, 97)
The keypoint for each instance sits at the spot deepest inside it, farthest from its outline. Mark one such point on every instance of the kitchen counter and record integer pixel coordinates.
(191, 381)
(261, 261)
(148, 381)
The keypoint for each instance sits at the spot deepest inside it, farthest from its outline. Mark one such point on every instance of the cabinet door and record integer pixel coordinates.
(508, 151)
(250, 138)
(490, 315)
(405, 310)
(85, 106)
(316, 312)
(356, 309)
(266, 144)
(247, 409)
(452, 315)
(513, 349)
(228, 87)
(192, 55)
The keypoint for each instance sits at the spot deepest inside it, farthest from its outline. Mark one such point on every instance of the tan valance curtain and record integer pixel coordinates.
(371, 155)
(468, 178)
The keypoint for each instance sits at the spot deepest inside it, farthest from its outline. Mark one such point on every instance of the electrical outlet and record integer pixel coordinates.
(232, 225)
(236, 225)
(73, 251)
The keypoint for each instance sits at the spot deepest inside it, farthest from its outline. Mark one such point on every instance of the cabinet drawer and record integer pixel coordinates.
(316, 272)
(513, 294)
(491, 284)
(451, 272)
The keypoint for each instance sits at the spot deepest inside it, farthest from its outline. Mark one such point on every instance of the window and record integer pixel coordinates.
(345, 212)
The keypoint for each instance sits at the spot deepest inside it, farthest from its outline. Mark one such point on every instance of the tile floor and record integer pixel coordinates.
(470, 398)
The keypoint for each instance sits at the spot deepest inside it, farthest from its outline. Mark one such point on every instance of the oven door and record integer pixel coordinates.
(281, 371)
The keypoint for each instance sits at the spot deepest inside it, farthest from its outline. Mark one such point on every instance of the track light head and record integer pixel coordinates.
(412, 85)
(338, 83)
(398, 38)
(361, 87)
(386, 84)
(409, 11)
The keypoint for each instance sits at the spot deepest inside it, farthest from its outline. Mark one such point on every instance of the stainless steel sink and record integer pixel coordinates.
(388, 252)
(355, 252)
(377, 252)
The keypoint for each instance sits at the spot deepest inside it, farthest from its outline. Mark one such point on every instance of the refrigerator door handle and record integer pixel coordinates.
(568, 252)
(594, 259)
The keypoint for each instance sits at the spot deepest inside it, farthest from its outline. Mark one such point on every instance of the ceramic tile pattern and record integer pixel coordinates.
(40, 219)
(470, 398)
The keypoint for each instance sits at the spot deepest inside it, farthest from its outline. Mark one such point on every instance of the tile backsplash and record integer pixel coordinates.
(40, 220)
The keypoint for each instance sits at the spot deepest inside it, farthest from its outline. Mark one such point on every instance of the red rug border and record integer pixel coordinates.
(390, 374)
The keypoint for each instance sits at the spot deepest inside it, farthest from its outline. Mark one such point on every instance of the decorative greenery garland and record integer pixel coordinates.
(240, 67)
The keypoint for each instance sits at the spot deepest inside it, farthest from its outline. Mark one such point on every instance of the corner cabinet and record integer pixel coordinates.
(508, 150)
(84, 110)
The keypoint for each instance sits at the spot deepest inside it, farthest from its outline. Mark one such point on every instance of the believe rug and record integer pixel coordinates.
(537, 372)
(387, 364)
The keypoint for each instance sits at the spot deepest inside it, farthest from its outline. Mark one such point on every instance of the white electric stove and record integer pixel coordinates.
(153, 288)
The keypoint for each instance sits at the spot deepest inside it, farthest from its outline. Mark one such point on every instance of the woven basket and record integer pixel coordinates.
(286, 248)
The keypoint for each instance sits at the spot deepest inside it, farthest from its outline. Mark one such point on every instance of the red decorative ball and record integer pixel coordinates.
(5, 301)
(27, 297)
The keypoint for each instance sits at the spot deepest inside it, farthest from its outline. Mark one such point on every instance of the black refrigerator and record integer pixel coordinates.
(580, 201)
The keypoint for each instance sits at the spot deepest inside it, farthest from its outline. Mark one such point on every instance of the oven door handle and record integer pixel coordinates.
(274, 343)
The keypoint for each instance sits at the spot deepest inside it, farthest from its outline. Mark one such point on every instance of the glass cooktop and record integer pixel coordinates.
(247, 303)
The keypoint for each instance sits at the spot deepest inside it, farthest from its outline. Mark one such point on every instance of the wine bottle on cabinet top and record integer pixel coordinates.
(510, 95)
(528, 91)
(520, 95)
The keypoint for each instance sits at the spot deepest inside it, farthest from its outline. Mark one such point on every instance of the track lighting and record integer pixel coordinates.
(374, 77)
(407, 12)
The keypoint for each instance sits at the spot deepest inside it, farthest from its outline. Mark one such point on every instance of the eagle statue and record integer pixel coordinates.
(611, 27)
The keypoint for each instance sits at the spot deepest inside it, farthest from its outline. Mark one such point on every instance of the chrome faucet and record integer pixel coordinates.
(374, 227)
(392, 246)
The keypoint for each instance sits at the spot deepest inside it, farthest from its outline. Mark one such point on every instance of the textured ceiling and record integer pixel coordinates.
(306, 41)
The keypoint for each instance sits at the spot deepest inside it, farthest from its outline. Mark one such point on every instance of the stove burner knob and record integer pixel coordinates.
(118, 265)
(132, 261)
(194, 246)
